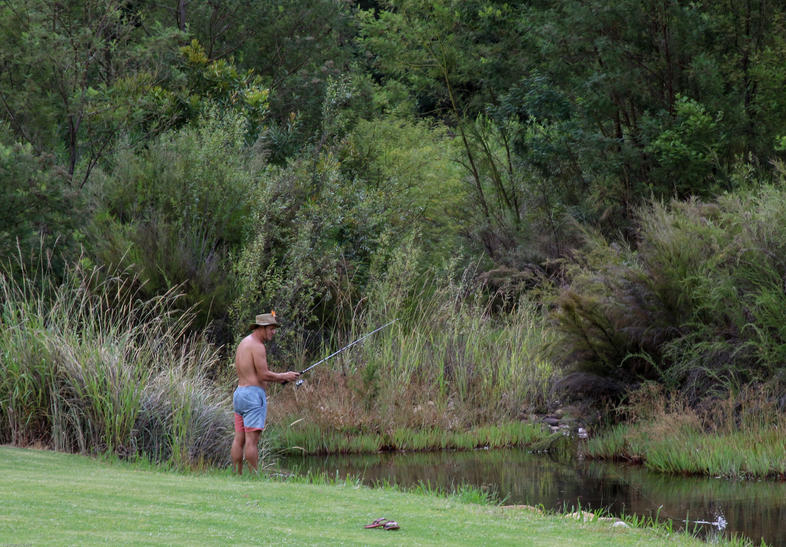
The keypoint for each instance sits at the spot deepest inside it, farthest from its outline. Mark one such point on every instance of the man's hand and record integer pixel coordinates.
(289, 376)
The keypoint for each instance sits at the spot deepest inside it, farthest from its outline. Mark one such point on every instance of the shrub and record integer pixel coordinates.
(176, 211)
(698, 304)
(324, 227)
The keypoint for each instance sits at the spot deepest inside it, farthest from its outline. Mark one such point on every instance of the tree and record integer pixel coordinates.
(38, 213)
(457, 58)
(60, 63)
(298, 47)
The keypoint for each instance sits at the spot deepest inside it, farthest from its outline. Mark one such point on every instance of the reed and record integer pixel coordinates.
(87, 366)
(671, 438)
(447, 366)
(312, 439)
(469, 356)
(612, 444)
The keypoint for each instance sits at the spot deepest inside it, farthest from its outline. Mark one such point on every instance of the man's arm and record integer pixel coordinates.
(264, 374)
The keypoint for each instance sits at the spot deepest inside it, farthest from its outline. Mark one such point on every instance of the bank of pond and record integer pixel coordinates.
(706, 507)
(714, 484)
(757, 453)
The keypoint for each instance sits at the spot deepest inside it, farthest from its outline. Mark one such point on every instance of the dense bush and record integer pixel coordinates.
(324, 228)
(40, 213)
(177, 210)
(699, 303)
(448, 362)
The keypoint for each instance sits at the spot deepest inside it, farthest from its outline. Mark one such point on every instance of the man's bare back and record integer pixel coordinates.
(249, 351)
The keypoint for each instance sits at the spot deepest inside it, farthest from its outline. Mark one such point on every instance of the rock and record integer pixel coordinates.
(551, 420)
(569, 412)
(619, 524)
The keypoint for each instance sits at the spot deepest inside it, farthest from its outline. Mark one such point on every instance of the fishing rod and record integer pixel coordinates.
(300, 382)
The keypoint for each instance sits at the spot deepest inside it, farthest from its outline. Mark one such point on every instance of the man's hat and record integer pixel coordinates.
(265, 319)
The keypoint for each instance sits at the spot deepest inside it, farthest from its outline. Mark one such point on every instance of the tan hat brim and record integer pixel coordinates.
(252, 326)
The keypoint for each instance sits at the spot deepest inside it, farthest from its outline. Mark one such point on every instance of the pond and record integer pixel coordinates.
(756, 509)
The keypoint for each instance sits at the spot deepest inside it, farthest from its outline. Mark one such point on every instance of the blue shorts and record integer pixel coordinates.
(250, 404)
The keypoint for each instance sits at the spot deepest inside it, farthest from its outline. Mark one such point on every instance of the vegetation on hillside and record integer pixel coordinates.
(531, 188)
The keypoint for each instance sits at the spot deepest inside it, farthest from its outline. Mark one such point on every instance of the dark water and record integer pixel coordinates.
(754, 509)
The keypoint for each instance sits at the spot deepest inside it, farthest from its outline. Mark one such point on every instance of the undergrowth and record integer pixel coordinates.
(449, 366)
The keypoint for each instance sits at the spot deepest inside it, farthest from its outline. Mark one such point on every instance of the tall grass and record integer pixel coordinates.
(87, 366)
(448, 365)
(738, 455)
(450, 342)
(741, 437)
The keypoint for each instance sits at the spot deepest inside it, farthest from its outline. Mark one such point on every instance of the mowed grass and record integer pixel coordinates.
(58, 499)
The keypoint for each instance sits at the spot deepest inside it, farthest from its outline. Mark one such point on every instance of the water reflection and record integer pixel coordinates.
(755, 509)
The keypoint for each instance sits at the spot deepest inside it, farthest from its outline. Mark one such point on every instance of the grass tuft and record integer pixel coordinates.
(87, 366)
(670, 437)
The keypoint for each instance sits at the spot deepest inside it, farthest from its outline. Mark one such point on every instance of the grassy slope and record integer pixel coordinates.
(51, 498)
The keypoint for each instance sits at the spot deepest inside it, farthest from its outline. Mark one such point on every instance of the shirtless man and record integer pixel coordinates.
(249, 400)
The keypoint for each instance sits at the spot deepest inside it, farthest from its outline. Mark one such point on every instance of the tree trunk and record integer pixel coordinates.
(181, 15)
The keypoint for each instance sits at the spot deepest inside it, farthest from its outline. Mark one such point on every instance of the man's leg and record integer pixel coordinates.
(237, 451)
(250, 449)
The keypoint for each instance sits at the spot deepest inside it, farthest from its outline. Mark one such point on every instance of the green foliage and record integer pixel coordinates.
(407, 171)
(60, 65)
(450, 54)
(298, 47)
(597, 114)
(688, 152)
(39, 213)
(219, 83)
(175, 211)
(699, 304)
(456, 57)
(324, 228)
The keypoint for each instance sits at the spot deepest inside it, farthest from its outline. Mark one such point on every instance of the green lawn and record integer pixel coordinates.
(51, 498)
